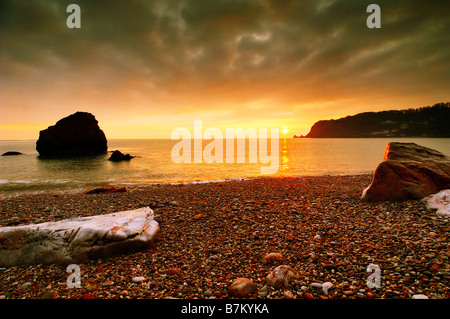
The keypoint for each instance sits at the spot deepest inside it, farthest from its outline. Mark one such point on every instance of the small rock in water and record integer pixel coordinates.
(106, 189)
(118, 156)
(10, 153)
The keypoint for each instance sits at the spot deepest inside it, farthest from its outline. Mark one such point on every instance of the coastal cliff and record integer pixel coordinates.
(429, 121)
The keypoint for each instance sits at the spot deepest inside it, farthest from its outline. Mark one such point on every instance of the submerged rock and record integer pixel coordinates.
(78, 239)
(11, 153)
(408, 171)
(77, 134)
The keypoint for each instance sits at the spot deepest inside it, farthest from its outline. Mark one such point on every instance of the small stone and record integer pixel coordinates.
(443, 273)
(317, 237)
(90, 288)
(172, 271)
(419, 296)
(308, 295)
(25, 285)
(316, 285)
(263, 292)
(288, 294)
(88, 296)
(241, 287)
(198, 216)
(137, 279)
(272, 257)
(282, 276)
(326, 286)
(207, 293)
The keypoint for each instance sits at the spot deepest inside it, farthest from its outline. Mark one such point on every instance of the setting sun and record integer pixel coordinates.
(285, 130)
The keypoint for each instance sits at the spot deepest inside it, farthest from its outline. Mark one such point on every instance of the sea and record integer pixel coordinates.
(154, 163)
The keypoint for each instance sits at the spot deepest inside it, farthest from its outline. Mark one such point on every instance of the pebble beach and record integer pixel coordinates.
(213, 233)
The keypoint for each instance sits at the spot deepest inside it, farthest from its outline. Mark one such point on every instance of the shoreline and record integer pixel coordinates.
(242, 221)
(133, 185)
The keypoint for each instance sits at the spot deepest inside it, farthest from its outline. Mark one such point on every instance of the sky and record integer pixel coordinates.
(144, 68)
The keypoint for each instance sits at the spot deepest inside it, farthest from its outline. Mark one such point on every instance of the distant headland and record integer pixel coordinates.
(429, 121)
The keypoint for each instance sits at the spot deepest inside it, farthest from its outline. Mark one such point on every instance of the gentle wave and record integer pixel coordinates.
(36, 181)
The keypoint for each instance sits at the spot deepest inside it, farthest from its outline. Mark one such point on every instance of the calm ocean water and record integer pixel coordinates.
(297, 157)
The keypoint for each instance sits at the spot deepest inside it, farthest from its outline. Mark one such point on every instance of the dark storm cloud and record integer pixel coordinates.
(287, 50)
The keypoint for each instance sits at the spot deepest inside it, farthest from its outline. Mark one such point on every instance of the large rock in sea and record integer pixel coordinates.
(408, 171)
(75, 135)
(78, 239)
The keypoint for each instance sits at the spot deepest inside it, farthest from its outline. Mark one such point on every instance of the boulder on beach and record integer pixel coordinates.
(408, 171)
(78, 239)
(118, 156)
(75, 135)
(11, 153)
